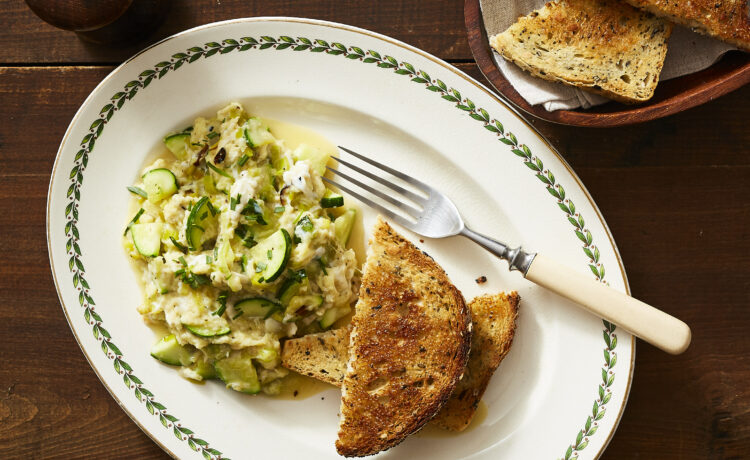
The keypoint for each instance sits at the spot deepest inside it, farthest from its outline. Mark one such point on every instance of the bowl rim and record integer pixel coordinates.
(736, 75)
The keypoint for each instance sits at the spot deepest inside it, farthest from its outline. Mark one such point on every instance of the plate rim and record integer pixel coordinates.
(357, 30)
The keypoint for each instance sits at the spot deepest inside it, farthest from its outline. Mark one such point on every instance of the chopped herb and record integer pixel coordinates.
(246, 235)
(190, 278)
(243, 160)
(322, 264)
(297, 275)
(222, 299)
(179, 246)
(138, 191)
(253, 211)
(213, 134)
(133, 221)
(278, 209)
(201, 280)
(233, 201)
(189, 129)
(259, 267)
(208, 259)
(243, 263)
(218, 171)
(305, 224)
(249, 241)
(269, 254)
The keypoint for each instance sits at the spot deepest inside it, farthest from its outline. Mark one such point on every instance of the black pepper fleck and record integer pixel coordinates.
(481, 280)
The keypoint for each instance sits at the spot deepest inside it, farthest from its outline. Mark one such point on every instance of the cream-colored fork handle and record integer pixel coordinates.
(642, 320)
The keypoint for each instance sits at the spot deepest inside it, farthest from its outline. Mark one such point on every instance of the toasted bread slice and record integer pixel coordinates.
(494, 324)
(410, 339)
(603, 46)
(727, 20)
(322, 356)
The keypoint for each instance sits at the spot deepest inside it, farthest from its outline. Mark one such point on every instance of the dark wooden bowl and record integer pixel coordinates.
(672, 96)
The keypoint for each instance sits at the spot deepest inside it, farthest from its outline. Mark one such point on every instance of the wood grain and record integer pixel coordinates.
(435, 26)
(51, 402)
(674, 192)
(672, 96)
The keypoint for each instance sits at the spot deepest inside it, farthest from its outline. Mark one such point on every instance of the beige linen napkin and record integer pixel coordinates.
(688, 52)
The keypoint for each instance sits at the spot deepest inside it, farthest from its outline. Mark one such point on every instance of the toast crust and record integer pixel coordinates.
(602, 46)
(727, 20)
(409, 345)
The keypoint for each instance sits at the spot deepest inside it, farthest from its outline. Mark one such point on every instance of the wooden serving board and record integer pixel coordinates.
(672, 96)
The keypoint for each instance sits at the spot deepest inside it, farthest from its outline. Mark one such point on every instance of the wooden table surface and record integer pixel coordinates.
(675, 193)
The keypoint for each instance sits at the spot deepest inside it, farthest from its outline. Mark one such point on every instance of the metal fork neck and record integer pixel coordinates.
(517, 258)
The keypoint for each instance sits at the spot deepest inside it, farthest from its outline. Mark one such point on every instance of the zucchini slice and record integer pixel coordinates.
(303, 304)
(257, 307)
(332, 201)
(271, 256)
(208, 331)
(200, 218)
(267, 357)
(289, 289)
(316, 157)
(256, 133)
(237, 371)
(332, 315)
(169, 351)
(343, 225)
(159, 183)
(204, 368)
(147, 238)
(178, 144)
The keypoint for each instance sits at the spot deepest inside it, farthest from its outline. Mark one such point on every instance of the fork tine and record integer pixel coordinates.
(409, 209)
(426, 188)
(410, 195)
(369, 202)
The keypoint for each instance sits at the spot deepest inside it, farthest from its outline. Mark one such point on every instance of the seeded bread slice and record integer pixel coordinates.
(727, 20)
(494, 325)
(323, 356)
(603, 46)
(409, 344)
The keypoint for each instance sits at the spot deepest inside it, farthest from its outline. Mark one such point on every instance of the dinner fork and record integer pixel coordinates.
(433, 215)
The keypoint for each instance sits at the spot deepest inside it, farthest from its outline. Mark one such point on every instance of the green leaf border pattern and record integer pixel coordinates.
(417, 76)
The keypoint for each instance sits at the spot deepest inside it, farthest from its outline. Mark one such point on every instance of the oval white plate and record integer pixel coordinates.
(561, 390)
